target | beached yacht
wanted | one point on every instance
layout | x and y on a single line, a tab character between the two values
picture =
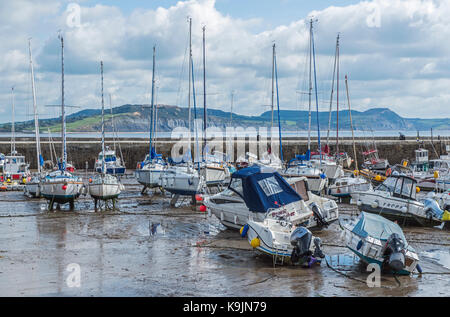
375	239
396	199
61	186
346	186
113	164
236	205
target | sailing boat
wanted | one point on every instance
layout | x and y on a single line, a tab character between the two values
15	169
149	173
61	186
185	180
216	170
114	164
301	165
104	186
32	186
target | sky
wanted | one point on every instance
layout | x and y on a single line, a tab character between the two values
395	53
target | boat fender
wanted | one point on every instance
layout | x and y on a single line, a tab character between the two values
255	242
374	204
404	209
359	203
244	230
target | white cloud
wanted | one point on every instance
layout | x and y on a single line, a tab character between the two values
402	64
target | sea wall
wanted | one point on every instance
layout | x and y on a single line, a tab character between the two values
134	150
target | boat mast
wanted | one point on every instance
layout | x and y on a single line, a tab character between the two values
155	122
273	74
103	123
317	99
63	114
278	102
332	91
190	74
337	96
310	83
204	90
36	119
152	103
351	123
13	134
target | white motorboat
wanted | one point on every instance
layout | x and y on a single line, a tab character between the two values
346	186
396	199
282	235
375	239
236	205
15	168
317	180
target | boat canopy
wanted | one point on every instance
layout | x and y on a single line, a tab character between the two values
377	227
262	188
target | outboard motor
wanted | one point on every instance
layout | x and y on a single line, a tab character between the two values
318	215
301	253
394	252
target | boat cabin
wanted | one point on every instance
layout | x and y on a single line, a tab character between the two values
262	188
400	186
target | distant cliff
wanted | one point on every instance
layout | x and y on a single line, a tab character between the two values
134	118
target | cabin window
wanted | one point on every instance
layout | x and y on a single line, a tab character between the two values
270	186
236	186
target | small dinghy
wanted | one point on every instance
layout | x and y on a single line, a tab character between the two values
375	239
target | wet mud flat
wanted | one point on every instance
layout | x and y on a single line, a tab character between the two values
148	248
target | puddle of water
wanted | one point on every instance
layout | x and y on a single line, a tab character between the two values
440	256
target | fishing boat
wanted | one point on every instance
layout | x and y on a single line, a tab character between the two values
32	187
104	186
61	186
372	160
252	191
375	239
396	200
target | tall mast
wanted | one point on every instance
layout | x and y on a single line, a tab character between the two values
351	124
310	83
63	113
36	119
278	102
204	88
190	74
317	99
332	92
103	123
152	103
13	133
337	96
273	74
155	122
112	123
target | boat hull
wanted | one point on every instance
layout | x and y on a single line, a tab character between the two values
149	177
53	191
104	191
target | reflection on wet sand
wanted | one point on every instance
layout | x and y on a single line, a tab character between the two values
150	249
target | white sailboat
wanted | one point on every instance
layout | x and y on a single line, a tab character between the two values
186	180
149	172
61	186
104	186
32	187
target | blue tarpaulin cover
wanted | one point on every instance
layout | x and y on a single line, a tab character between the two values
264	188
